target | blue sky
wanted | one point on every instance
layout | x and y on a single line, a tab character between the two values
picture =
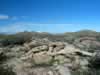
54	16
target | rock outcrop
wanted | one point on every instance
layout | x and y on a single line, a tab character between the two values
43	57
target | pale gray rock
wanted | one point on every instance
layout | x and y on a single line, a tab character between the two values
40	48
42	58
63	70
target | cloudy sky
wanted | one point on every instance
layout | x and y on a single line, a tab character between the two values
54	16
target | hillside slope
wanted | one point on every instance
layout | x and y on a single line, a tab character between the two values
32	53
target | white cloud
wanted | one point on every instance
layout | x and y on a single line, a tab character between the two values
4	17
19	17
52	28
20	27
23	26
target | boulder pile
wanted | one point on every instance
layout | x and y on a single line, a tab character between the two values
44	57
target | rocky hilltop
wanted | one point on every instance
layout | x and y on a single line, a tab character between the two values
31	53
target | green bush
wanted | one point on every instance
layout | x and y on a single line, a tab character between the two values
6	71
18	39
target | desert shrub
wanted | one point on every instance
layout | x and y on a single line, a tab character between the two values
69	37
18	38
83	33
2	57
6	71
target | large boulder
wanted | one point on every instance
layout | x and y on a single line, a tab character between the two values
63	70
40	48
56	46
36	42
42	58
62	59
